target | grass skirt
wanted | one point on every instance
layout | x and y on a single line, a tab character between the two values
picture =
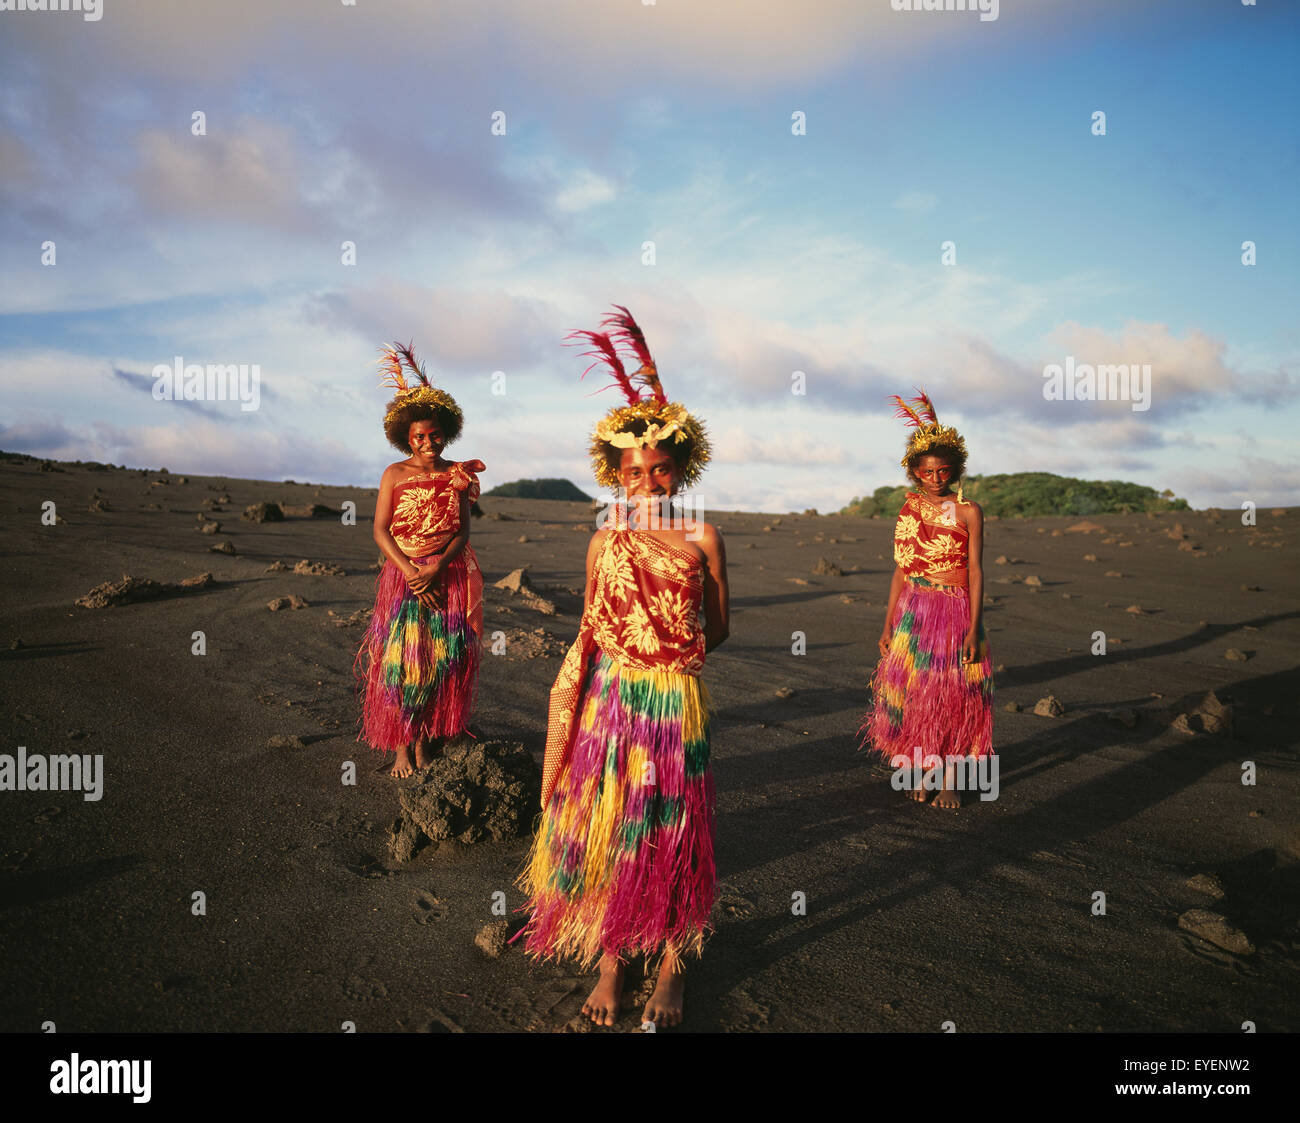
926	701
622	862
418	666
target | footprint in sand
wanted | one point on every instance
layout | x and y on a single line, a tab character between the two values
358	989
441	1022
353	859
744	1015
734	904
428	908
544	1008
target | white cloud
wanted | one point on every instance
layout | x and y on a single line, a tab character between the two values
916	202
1264	482
1185	372
249	174
771	441
198	447
466	330
583	191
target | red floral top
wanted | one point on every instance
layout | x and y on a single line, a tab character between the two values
930	541
426	508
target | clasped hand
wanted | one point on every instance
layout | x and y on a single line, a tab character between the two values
426	582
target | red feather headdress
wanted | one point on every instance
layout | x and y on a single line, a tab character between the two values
605	352
629	333
646	401
920	416
394	357
420	389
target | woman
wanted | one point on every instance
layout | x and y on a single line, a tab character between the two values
933	686
420	657
622	862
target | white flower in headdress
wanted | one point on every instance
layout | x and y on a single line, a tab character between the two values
656	433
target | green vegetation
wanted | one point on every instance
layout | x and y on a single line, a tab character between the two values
1026	494
540	489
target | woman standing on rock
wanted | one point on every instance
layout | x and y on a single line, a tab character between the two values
933	687
622	863
420	657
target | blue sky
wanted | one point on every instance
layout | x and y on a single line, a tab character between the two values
671	123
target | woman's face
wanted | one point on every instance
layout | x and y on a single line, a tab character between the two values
426	439
934	474
647	472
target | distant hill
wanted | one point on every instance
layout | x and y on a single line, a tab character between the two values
540	489
1026	494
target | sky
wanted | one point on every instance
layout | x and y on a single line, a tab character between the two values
768	187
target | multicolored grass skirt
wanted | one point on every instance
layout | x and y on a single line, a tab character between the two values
926	701
622	862
418	666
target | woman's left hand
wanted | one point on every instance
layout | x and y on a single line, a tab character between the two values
427	574
434	598
970	647
428	587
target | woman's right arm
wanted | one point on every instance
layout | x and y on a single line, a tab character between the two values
895	591
383	514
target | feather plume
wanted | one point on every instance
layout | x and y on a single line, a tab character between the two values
604	351
629	333
648	376
415	367
392	375
925	407
906	412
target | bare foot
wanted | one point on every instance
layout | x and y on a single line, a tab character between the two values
948	795
402	765
425	750
606	999
904	763
665	1005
